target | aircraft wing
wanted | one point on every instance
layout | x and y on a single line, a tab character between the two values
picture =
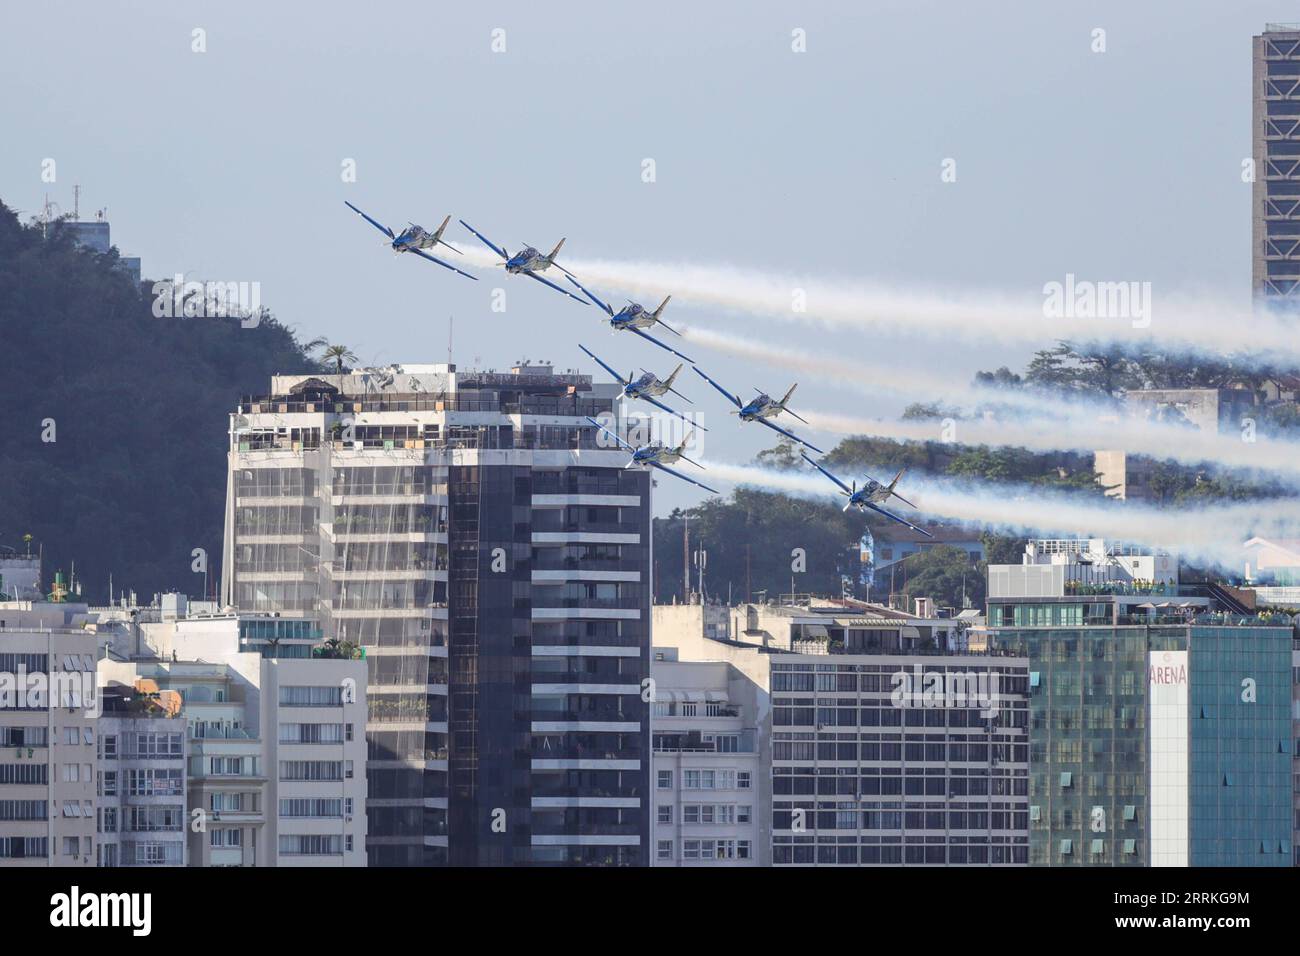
445	265
588	294
378	225
651	338
678	474
611	434
486	241
618	377
790	435
534	275
731	398
842	485
890	514
902	499
658	404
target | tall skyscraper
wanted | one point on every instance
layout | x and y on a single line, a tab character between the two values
1275	134
493	561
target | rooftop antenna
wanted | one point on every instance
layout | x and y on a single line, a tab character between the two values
76	203
451	331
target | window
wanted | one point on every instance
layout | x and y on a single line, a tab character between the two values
665	813
744	813
225	837
743	780
690	849
665	779
664	850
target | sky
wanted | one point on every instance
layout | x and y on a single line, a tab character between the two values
227	164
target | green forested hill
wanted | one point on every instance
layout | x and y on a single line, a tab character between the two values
135	479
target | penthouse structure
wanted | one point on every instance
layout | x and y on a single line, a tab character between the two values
466	530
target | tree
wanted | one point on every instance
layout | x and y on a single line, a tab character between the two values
338	354
135	479
783	456
945	574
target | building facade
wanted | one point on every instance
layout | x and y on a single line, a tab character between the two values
1159	726
48	719
467	531
707	773
883	740
1275	127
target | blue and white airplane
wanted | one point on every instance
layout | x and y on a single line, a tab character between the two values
870	495
527	261
761	408
415	239
647	387
658	456
633	318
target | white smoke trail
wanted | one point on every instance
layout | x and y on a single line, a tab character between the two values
1177	321
1212	534
1041	424
1075	432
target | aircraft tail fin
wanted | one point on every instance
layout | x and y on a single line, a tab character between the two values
556	251
789	393
893	484
668	382
656	313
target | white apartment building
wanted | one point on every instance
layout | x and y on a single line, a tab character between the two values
706	772
852	772
47	735
277	761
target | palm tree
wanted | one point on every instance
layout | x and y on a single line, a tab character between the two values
338	354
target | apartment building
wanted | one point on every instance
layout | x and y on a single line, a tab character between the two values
707	773
140	817
276	747
884	739
48	719
466	530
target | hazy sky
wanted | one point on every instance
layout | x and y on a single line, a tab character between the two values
226	164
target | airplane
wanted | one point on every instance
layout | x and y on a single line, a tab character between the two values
415	239
634	317
658	456
869	496
761	408
528	261
646	387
